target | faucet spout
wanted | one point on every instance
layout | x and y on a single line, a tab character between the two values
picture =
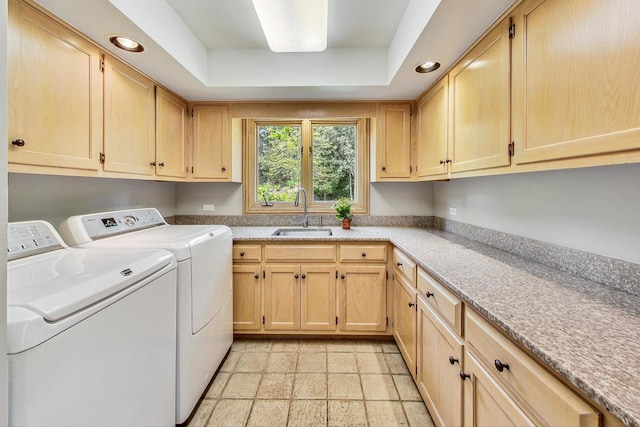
305	217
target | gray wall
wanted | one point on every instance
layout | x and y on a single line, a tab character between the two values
592	209
54	198
4	381
386	199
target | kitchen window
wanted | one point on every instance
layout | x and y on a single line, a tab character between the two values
328	158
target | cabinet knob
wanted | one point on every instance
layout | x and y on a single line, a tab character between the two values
399	264
161	165
241	253
384	168
296	276
224	169
448	161
152	163
453	360
411	304
464	376
342	277
428	294
256	276
304	277
501	366
18	142
364	254
442	162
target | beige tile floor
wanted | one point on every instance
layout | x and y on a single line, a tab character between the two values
267	382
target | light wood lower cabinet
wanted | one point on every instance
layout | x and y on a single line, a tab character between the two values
404	321
282	297
247	297
440	358
363	298
485	401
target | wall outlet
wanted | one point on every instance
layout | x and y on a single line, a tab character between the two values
453	211
208	207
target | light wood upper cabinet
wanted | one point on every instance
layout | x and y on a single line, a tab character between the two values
480	104
212	145
247	308
171	133
576	68
393	142
432	156
54	93
362	292
129	120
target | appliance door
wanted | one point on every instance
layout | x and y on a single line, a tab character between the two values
211	276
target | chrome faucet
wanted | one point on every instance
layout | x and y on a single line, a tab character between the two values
305	217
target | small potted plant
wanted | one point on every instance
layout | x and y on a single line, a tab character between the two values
343	212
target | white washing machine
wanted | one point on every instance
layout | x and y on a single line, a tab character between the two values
90	334
205	299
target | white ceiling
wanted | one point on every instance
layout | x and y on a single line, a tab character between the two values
215	50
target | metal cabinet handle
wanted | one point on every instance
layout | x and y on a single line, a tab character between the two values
464	376
152	163
384	168
241	253
161	165
500	366
428	294
296	276
411	304
364	254
442	162
399	264
224	169
18	142
342	277
304	277
257	276
453	360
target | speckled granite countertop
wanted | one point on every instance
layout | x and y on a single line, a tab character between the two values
586	332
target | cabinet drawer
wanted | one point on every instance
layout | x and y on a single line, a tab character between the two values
403	264
536	390
279	253
247	253
363	253
443	301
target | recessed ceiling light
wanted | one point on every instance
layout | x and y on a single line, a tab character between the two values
125	43
427	67
294	25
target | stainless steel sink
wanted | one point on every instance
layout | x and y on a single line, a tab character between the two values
303	232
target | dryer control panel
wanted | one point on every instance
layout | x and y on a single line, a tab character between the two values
31	238
84	228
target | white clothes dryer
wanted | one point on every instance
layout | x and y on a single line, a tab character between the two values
205	299
90	334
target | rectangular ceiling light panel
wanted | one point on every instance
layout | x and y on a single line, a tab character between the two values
294	25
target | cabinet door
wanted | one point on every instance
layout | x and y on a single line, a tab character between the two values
485	402
575	76
480	104
246	297
318	297
393	144
363	298
432	157
404	321
170	134
129	120
440	353
211	142
282	297
54	91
